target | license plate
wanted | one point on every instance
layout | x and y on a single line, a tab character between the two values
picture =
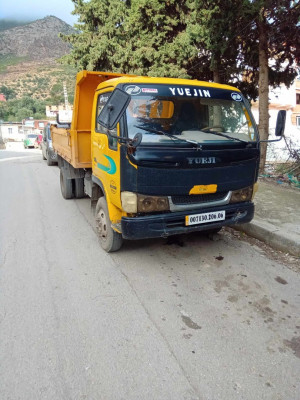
205	218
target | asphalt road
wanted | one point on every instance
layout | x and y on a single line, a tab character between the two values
191	318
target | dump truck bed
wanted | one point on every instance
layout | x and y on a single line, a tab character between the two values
74	143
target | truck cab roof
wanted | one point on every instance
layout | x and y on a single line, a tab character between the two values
113	82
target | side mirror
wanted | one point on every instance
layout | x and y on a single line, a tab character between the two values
280	123
114	109
64	118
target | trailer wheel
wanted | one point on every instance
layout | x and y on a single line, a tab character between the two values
79	188
66	186
110	240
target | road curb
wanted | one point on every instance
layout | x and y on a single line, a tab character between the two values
271	235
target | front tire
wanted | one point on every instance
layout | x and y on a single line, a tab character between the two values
110	240
66	186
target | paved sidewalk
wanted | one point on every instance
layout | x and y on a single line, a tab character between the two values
277	217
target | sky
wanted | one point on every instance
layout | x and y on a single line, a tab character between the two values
30	10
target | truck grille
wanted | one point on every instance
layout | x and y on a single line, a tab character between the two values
198	198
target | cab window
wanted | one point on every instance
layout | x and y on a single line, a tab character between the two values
112	142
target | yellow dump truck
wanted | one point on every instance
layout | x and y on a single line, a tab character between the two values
158	156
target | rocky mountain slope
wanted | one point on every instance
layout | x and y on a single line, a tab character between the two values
36	40
28	59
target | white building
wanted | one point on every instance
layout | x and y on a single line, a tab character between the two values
283	98
12	131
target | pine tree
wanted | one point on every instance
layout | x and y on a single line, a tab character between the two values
101	34
213	31
158	44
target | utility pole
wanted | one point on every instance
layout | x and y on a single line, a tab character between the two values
66	96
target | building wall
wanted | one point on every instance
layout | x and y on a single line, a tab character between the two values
282	98
11	132
18	131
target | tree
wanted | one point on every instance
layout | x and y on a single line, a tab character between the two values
9	93
157	39
213	28
16	110
101	34
248	43
270	49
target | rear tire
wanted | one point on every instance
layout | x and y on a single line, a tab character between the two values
79	188
110	240
66	186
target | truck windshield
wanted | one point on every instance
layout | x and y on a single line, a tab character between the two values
173	115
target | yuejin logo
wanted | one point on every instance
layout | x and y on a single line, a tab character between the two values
236	96
133	90
111	168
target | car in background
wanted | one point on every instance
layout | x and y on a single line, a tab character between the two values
48	152
38	141
29	140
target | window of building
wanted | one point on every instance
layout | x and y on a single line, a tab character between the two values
10	131
297	98
298	121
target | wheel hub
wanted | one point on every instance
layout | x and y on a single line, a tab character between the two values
101	224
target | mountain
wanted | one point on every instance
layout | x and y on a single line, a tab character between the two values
28	61
36	40
11	23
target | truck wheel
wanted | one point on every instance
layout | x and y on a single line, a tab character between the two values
110	240
79	188
66	186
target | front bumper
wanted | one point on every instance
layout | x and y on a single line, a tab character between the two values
173	223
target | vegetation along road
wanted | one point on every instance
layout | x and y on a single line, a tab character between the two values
188	318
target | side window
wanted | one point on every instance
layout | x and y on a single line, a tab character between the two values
102	99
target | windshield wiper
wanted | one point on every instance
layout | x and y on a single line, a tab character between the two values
169	135
207	130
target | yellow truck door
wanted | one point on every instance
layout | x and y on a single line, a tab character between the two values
106	156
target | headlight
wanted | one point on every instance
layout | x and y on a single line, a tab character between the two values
133	203
242	195
129	202
152	203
